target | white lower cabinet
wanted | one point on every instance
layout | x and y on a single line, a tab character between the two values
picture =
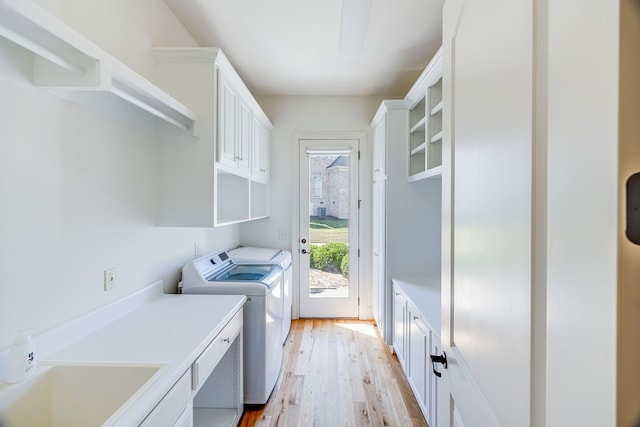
210	392
177	402
414	341
217	379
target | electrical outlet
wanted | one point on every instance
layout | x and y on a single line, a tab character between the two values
283	235
109	279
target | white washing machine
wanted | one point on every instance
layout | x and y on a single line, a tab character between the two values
217	274
281	257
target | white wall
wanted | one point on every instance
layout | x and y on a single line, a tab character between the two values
582	212
78	190
292	115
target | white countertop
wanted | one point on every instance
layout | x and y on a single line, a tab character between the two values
424	292
171	330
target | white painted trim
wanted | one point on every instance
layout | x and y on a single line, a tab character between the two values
385	106
429	77
215	56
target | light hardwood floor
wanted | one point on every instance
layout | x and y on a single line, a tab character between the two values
337	373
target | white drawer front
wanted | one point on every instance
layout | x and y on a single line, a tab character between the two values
171	405
204	365
185	419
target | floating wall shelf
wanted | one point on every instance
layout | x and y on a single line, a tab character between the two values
68	64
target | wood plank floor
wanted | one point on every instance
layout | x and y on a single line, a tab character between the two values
337	373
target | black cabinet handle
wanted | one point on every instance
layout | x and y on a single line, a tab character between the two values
438	359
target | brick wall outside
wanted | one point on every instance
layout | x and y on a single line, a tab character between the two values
335	187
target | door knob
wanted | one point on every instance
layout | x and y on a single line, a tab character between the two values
304	251
303	241
438	359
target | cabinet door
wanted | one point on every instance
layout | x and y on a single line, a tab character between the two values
433	384
260	152
399	326
419	347
264	157
244	138
379	158
227	99
380	291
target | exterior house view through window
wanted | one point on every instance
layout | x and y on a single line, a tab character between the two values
329	224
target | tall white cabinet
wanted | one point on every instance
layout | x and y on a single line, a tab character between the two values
406	210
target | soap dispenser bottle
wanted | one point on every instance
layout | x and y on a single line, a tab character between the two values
21	362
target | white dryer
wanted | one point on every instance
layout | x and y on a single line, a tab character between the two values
217	274
281	257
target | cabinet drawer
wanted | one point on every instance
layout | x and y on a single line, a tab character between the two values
171	405
185	419
207	361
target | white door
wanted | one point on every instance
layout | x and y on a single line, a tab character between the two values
487	212
328	235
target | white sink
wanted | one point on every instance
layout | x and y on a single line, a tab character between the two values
87	394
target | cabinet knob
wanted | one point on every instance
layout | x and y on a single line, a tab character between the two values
415	317
227	340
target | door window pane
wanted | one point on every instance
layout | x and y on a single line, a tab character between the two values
329	177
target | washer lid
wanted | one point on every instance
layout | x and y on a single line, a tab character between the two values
251	254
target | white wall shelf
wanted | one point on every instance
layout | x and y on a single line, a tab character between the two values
436	109
71	66
420	126
419	149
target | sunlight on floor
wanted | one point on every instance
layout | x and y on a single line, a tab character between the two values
363	328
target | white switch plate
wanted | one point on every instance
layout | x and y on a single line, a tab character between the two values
109	279
283	235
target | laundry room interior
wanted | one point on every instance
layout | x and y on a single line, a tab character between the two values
436	197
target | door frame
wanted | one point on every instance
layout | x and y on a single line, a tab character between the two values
364	217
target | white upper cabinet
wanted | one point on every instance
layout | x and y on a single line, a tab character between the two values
424	101
221	177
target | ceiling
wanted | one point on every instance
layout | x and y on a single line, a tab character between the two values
292	47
